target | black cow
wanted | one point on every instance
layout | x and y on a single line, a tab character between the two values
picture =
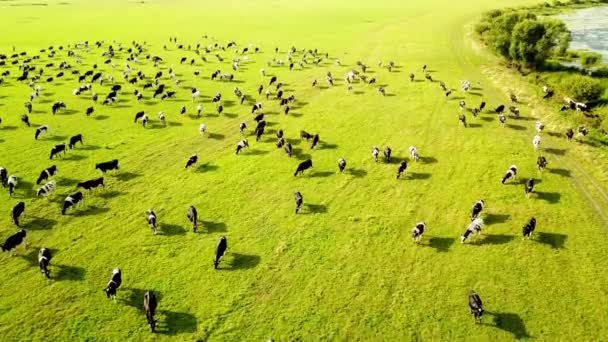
114	283
259	117
305	135
476	306
192	160
91	184
418	231
272	80
387	154
303	166
46	174
401	169
511	173
500	109
90	111
280	142
569	134
14	240
107	166
16	212
241	145
26	120
341	164
56	150
3	176
411	77
58	105
529	228
541	162
75	139
151	218
150	304
259	131
71	201
477	208
192	215
315	141
220	250
116	87
529	187
299	200
288	149
44	258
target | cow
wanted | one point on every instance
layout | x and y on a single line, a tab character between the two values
220	250
501	120
192	215
241	145
280	142
414	153
582	131
473	228
463	120
91	184
272	80
529	228
183	110
16	212
25	119
139	115
44	258
3	176
242	128
150	304
288	149
191	161
511	173
375	152
220	109
299	200
15	240
303	166
56	150
387	154
401	169
476	306
477	208
107	166
341	164
151	218
529	187
162	118
71	201
113	284
315	141
57	106
40	130
12	184
259	117
411	77
536	141
46	174
47	189
541	162
569	134
90	111
539	126
305	135
500	109
75	139
418	231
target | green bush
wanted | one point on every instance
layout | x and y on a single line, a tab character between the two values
601	71
588	59
582	88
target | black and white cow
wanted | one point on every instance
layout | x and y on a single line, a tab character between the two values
138	116
75	139
511	173
151	219
476	306
40	130
71	201
501	120
107	166
192	215
162	118
375	153
582	131
16	212
473	228
46	174
44	258
14	240
12	184
387	154
242	128
47	189
91	184
259	117
192	160
418	231
150	304
477	208
529	187
303	166
463	120
305	135
25	119
529	228
341	164
414	153
569	134
280	142
288	149
114	283
401	169
56	150
299	200
241	145
57	106
541	162
220	250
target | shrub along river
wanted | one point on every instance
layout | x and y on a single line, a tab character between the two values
589	29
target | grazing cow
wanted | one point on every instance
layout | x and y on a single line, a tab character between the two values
139	115
473	228
529	228
511	173
192	160
162	118
113	284
241	145
569	134
500	109
58	105
202	128
150	304
28	107
541	162
25	119
220	250
75	139
401	169
305	135
3	177
71	201
151	218
501	120
299	200
272	80
418	231
536	141
475	112
411	77
463	120
46	174
259	130
242	127
47	189
539	126
44	258
341	164
375	152
107	166
476	306
90	111
315	141
183	110
40	130
428	77
303	166
387	154
582	131
513	98
259	117
288	149
414	153
14	240
16	212
192	215
12	184
477	208
280	142
199	110
57	149
220	109
529	187
91	184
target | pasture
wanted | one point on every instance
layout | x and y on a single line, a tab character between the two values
345	267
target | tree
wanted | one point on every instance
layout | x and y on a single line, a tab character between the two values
529	44
582	88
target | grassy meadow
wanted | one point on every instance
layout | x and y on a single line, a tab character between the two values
346	267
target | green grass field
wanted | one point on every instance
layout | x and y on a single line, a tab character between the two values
344	269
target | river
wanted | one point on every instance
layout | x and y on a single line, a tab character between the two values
589	29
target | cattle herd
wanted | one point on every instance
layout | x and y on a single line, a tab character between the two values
93	82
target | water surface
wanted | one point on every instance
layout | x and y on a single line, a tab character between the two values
589	29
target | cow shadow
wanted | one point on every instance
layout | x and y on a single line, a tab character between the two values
487	118
136	297
90	211
441	244
554	240
556	151
509	322
214	227
31	256
75	157
101	117
8	128
516	127
550	197
67	182
474	125
561	172
324	146
56	138
357	173
172	229
174	124
496	218
555	134
68	112
321	174
175	323
40	223
216	136
207	167
315	208
394	159
495	239
256	152
89	148
126	176
418	176
67	272
428	160
110	194
242	262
